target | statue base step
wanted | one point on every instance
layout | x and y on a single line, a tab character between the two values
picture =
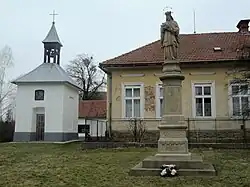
186	166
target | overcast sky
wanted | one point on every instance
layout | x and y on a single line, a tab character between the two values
104	28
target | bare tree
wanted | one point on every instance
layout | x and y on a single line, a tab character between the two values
87	74
6	88
137	128
9	116
240	94
240	88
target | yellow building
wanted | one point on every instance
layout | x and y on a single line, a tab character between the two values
207	61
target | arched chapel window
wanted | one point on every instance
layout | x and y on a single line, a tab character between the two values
39	95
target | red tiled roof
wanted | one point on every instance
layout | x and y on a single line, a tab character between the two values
193	48
93	109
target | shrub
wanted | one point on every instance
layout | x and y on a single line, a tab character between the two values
6	131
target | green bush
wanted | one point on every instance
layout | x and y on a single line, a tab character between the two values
6	131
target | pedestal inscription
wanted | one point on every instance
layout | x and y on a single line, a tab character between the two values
172	146
172	94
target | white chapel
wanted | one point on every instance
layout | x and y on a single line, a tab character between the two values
47	99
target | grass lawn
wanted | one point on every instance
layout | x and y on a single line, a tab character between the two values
67	165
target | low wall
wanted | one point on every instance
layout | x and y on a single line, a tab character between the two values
220	136
126	136
194	136
192	124
106	145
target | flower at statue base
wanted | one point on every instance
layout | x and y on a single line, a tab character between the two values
168	170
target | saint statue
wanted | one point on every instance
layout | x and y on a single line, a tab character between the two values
170	37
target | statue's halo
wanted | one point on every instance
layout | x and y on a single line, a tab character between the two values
167	9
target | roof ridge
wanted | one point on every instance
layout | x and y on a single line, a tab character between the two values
205	33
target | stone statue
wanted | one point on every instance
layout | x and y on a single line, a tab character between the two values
170	37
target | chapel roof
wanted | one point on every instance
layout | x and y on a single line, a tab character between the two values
45	73
193	48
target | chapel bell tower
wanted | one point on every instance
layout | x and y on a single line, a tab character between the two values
52	46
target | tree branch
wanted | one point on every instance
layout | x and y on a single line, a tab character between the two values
85	72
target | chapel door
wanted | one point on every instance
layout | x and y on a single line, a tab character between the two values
40	121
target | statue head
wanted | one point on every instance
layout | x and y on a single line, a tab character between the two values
169	16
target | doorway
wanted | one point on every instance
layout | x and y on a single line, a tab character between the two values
40	122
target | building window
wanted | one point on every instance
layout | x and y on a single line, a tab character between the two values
39	95
159	101
133	98
203	100
239	99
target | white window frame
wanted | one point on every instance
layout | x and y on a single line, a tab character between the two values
157	100
132	85
213	101
231	98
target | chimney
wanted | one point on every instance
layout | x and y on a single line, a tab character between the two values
243	25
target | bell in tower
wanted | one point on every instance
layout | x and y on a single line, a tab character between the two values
52	45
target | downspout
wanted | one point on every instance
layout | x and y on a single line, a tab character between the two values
109	98
110	103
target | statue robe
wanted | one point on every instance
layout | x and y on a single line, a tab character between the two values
170	39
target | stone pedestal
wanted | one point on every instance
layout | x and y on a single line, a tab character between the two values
173	143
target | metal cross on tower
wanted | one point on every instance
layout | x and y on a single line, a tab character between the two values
54	15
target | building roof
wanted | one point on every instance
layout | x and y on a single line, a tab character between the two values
47	72
93	109
193	48
52	36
